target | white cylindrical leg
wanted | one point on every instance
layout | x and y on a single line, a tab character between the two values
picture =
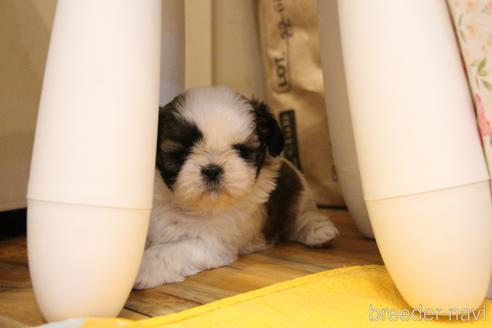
339	121
91	183
422	167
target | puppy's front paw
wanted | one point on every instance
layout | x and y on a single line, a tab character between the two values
319	232
153	272
322	234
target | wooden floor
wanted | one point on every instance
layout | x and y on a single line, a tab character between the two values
249	272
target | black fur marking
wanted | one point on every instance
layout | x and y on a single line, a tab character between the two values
247	152
267	128
180	135
283	205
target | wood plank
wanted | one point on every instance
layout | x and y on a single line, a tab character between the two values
215	284
264	258
10	323
14	272
330	258
154	302
14	250
19	304
132	315
14	275
259	266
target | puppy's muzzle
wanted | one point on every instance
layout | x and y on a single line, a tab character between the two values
212	173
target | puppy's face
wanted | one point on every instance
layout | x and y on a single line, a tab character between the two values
212	144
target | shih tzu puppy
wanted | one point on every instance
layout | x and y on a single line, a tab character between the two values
221	189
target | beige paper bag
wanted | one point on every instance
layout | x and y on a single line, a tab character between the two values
294	90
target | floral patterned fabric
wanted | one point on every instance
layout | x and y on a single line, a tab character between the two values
473	24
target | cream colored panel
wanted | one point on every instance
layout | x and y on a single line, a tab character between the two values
25	27
198	44
236	55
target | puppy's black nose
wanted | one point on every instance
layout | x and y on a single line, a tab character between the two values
212	172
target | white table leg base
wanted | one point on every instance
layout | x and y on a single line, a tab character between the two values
437	245
75	250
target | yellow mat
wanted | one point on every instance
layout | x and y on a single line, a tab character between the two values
347	297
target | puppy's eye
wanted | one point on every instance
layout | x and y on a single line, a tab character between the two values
245	151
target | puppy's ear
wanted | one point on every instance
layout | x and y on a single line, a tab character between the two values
267	128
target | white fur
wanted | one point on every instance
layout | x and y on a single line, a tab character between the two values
193	228
207	106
